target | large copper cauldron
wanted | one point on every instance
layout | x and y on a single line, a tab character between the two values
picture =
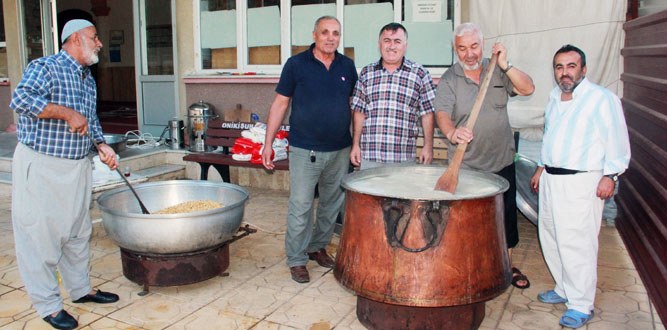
419	258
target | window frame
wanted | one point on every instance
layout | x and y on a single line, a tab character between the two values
286	39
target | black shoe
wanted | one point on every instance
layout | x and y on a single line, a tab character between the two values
62	320
99	297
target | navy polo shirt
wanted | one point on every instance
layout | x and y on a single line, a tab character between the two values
320	116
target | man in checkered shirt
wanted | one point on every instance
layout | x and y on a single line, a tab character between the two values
52	177
389	98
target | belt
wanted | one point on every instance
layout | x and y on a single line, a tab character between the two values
560	171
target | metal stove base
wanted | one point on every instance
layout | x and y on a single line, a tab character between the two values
382	316
174	269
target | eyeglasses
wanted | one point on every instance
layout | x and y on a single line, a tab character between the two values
95	37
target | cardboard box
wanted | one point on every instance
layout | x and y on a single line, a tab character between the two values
237	114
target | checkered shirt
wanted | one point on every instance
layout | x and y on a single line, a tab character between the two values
392	104
57	79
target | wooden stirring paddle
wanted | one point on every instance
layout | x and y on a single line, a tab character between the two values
450	179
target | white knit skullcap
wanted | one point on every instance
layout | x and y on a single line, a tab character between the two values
73	26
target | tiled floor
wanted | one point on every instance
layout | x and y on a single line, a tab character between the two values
259	294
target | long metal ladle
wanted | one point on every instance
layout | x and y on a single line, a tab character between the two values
144	210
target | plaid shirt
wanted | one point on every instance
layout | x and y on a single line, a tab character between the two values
57	79
392	104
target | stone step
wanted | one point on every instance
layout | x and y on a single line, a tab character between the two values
6	178
163	172
154	173
5	164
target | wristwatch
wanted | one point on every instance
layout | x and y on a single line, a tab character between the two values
509	66
613	177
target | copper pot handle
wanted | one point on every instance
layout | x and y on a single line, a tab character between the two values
397	217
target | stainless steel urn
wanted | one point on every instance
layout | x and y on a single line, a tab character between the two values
198	115
176	134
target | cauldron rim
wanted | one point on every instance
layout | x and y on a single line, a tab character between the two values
435	170
147	185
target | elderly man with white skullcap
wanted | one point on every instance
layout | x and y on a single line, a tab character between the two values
52	177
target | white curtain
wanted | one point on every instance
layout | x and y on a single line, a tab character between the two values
533	30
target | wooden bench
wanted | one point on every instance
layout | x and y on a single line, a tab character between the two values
439	146
223	134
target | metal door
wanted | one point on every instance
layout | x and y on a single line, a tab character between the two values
156	64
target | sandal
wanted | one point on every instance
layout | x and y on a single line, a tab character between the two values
575	319
518	276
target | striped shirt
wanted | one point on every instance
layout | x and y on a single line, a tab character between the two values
392	104
61	80
587	134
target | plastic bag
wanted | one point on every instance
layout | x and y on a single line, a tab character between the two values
253	136
243	146
276	155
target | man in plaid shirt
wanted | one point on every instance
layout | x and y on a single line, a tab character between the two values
389	98
52	177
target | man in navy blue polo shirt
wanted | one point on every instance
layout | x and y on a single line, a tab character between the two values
319	83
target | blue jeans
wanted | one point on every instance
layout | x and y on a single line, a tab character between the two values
304	234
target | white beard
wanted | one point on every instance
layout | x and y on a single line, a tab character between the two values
92	54
470	67
93	59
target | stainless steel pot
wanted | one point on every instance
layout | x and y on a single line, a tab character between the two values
172	233
117	142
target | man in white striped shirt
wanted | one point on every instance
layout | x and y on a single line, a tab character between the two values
585	148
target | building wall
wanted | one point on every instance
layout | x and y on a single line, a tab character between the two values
186	48
256	97
6	114
642	220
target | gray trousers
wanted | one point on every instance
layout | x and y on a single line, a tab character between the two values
303	234
51	221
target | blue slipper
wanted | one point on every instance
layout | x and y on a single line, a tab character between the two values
575	319
550	297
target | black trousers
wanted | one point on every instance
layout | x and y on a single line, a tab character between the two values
511	228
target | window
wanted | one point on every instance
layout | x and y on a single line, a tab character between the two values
36	36
303	16
159	40
273	30
218	34
33	30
